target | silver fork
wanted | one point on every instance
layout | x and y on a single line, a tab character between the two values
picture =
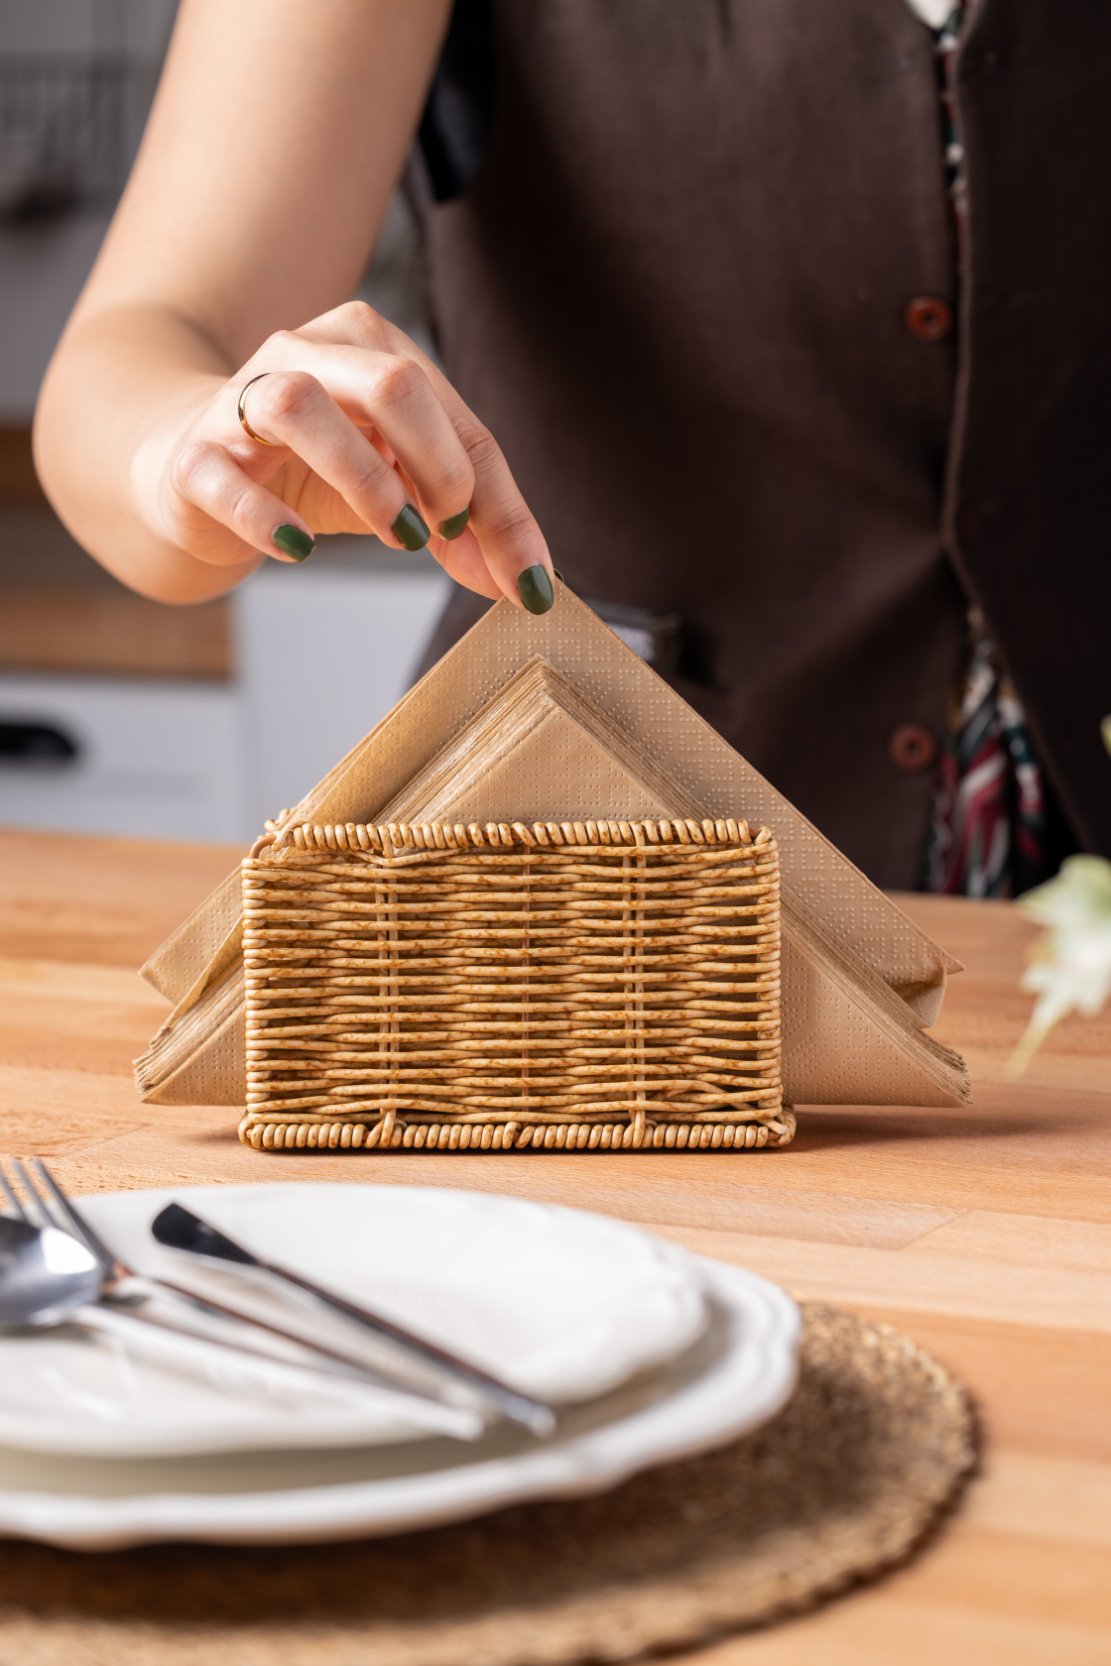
57	1209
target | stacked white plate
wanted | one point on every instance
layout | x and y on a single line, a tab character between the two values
651	1354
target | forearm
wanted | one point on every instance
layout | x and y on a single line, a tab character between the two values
115	373
274	142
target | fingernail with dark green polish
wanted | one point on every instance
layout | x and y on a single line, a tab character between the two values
411	529
292	541
535	589
455	524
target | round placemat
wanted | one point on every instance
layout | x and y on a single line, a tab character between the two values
842	1484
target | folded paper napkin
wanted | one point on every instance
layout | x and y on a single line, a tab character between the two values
554	719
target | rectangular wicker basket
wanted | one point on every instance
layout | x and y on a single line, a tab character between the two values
593	986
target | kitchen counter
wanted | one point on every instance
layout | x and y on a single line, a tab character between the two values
983	1232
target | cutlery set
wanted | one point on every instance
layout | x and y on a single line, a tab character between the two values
55	1269
202	1408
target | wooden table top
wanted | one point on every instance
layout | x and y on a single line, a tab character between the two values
985	1233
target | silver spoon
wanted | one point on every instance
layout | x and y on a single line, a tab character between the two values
48	1278
45	1275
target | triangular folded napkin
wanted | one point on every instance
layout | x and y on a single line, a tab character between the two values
553	719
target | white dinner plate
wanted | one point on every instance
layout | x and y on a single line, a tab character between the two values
737	1375
564	1304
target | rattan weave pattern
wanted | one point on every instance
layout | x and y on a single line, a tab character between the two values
587	985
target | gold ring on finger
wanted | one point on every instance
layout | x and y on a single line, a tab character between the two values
242	409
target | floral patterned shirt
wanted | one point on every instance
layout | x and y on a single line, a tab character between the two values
989	833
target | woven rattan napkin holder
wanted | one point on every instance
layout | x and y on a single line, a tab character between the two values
600	985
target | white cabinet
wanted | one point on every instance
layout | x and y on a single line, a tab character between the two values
319	653
100	755
324	651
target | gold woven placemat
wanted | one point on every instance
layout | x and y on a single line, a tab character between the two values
845	1482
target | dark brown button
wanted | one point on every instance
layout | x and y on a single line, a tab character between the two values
912	748
928	318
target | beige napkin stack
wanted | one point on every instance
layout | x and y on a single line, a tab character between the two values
554	719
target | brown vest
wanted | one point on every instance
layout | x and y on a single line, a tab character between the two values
676	290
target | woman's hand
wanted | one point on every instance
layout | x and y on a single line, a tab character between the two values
262	212
357	431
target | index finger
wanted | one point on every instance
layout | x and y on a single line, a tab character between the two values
513	546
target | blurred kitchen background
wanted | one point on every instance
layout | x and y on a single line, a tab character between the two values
120	715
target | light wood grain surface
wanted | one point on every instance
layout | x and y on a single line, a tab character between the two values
985	1233
85	631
